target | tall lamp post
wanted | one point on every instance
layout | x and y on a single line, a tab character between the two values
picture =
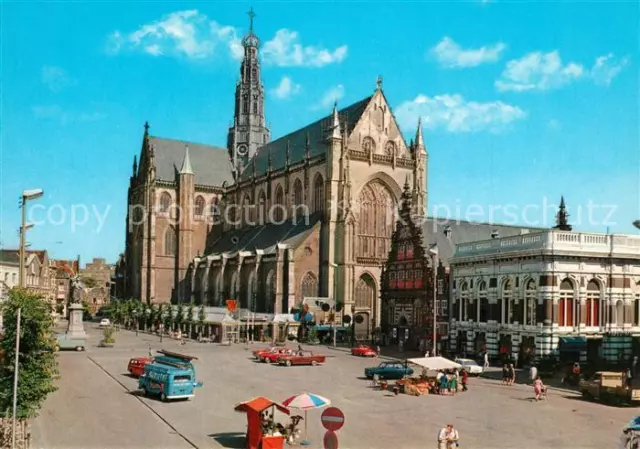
433	251
27	195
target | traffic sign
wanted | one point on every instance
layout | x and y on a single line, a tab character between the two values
332	419
330	440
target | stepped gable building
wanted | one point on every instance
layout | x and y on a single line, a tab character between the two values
268	222
554	291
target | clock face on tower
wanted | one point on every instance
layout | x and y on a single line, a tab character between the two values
242	150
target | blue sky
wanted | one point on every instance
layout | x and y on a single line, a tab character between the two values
521	101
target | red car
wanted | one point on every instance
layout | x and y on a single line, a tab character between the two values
274	356
259	352
136	365
302	358
363	351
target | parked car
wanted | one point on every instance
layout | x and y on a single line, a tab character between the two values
471	366
257	353
137	364
170	376
388	370
302	358
74	344
105	322
363	351
274	356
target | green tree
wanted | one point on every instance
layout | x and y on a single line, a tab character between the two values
191	313
167	318
179	318
89	282
37	365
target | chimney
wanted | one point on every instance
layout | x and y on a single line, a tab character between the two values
495	234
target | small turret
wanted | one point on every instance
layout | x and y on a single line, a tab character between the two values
420	148
335	124
562	217
186	163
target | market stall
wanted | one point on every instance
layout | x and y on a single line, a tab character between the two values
436	363
262	430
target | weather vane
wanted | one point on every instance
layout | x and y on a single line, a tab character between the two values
251	15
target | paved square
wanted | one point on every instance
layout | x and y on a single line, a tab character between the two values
95	402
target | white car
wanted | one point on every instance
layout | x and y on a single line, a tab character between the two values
471	366
105	322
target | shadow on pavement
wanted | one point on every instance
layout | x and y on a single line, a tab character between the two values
232	440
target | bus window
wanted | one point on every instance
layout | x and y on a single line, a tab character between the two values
183	378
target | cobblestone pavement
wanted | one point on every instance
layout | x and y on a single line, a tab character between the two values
94	409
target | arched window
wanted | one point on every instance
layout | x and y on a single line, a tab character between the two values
297	193
375	223
483	302
262	207
165	203
368	144
214	210
531	303
278	205
309	286
365	292
170	241
245	103
270	293
199	209
507	301
565	303
318	194
593	304
247	211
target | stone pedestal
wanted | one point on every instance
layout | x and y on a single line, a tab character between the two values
76	327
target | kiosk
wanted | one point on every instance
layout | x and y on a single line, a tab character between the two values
257	436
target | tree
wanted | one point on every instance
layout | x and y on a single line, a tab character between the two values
37	365
86	312
89	282
179	318
191	317
202	316
167	318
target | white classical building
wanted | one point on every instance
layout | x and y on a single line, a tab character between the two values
576	295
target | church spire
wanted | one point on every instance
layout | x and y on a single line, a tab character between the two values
562	217
186	163
335	123
249	130
419	142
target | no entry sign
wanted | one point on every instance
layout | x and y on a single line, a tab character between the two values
330	440
332	419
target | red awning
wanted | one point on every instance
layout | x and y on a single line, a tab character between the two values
260	404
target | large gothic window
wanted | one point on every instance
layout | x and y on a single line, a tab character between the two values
375	224
365	292
165	202
199	207
297	192
270	293
565	303
593	303
309	286
170	241
318	194
278	206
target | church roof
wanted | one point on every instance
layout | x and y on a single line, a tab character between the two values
297	141
462	231
210	164
264	237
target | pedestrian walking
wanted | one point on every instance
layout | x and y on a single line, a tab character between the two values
533	373
377	352
505	375
447	437
538	388
512	374
465	379
486	360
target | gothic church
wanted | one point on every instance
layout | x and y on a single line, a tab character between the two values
269	222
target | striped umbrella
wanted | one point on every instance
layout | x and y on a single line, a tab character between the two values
306	401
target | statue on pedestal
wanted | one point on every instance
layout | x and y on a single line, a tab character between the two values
76	326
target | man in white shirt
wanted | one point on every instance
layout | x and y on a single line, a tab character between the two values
486	359
448	437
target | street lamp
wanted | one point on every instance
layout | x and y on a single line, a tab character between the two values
27	195
433	251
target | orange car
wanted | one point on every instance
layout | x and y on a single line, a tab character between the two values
302	358
259	352
363	351
274	356
136	365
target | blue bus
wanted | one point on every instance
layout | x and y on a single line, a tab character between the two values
169	376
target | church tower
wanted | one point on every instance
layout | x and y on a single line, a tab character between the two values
249	130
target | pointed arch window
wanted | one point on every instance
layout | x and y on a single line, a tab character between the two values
593	304
278	209
375	221
165	203
297	193
170	241
309	286
199	207
365	292
318	193
245	103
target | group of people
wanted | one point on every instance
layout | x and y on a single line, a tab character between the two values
447	383
508	374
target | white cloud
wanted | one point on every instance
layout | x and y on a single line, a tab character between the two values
285	50
456	115
55	112
286	88
538	71
330	96
56	78
184	33
450	55
606	68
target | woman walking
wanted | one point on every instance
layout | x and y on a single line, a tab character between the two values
538	388
453	384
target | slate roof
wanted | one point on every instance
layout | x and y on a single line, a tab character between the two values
264	237
9	256
464	232
210	164
297	141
